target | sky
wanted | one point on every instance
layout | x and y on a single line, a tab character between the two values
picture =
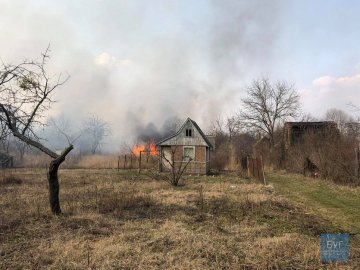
135	62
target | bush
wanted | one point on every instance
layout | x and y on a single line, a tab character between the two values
329	156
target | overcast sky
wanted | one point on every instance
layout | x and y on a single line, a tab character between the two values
135	62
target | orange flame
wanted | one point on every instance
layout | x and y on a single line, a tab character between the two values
137	149
151	149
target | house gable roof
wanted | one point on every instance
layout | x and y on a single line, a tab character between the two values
181	129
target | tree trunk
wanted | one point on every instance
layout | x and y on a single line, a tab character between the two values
54	181
54	187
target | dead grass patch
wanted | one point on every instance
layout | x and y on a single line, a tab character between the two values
118	202
113	220
7	180
281	251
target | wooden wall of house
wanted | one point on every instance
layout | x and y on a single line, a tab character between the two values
181	138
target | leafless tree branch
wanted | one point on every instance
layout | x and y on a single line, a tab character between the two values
267	104
25	95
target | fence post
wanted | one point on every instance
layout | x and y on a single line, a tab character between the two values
248	166
118	164
262	167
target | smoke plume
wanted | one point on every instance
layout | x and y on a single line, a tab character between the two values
132	70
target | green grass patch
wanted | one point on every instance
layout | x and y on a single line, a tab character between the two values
338	204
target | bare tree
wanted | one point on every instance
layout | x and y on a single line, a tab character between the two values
341	118
97	129
217	126
267	104
26	90
4	137
307	117
177	167
21	148
233	126
63	130
226	127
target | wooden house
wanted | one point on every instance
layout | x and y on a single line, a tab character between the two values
189	143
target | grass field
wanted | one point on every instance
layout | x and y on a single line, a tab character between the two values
123	220
339	204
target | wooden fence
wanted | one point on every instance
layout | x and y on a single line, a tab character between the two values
131	161
255	169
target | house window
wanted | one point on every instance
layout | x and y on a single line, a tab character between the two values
188	132
189	153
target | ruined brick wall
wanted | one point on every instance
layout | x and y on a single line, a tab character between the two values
294	132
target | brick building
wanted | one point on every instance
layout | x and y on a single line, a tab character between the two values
294	132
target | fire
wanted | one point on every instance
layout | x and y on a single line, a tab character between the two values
137	149
150	149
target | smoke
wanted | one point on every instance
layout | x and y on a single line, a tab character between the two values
140	65
153	133
243	34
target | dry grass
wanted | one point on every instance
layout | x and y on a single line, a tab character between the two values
35	161
97	161
8	179
122	220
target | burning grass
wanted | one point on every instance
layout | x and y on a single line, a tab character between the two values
121	220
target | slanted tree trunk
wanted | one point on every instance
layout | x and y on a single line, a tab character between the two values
26	91
54	181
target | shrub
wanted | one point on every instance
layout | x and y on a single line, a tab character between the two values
330	156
